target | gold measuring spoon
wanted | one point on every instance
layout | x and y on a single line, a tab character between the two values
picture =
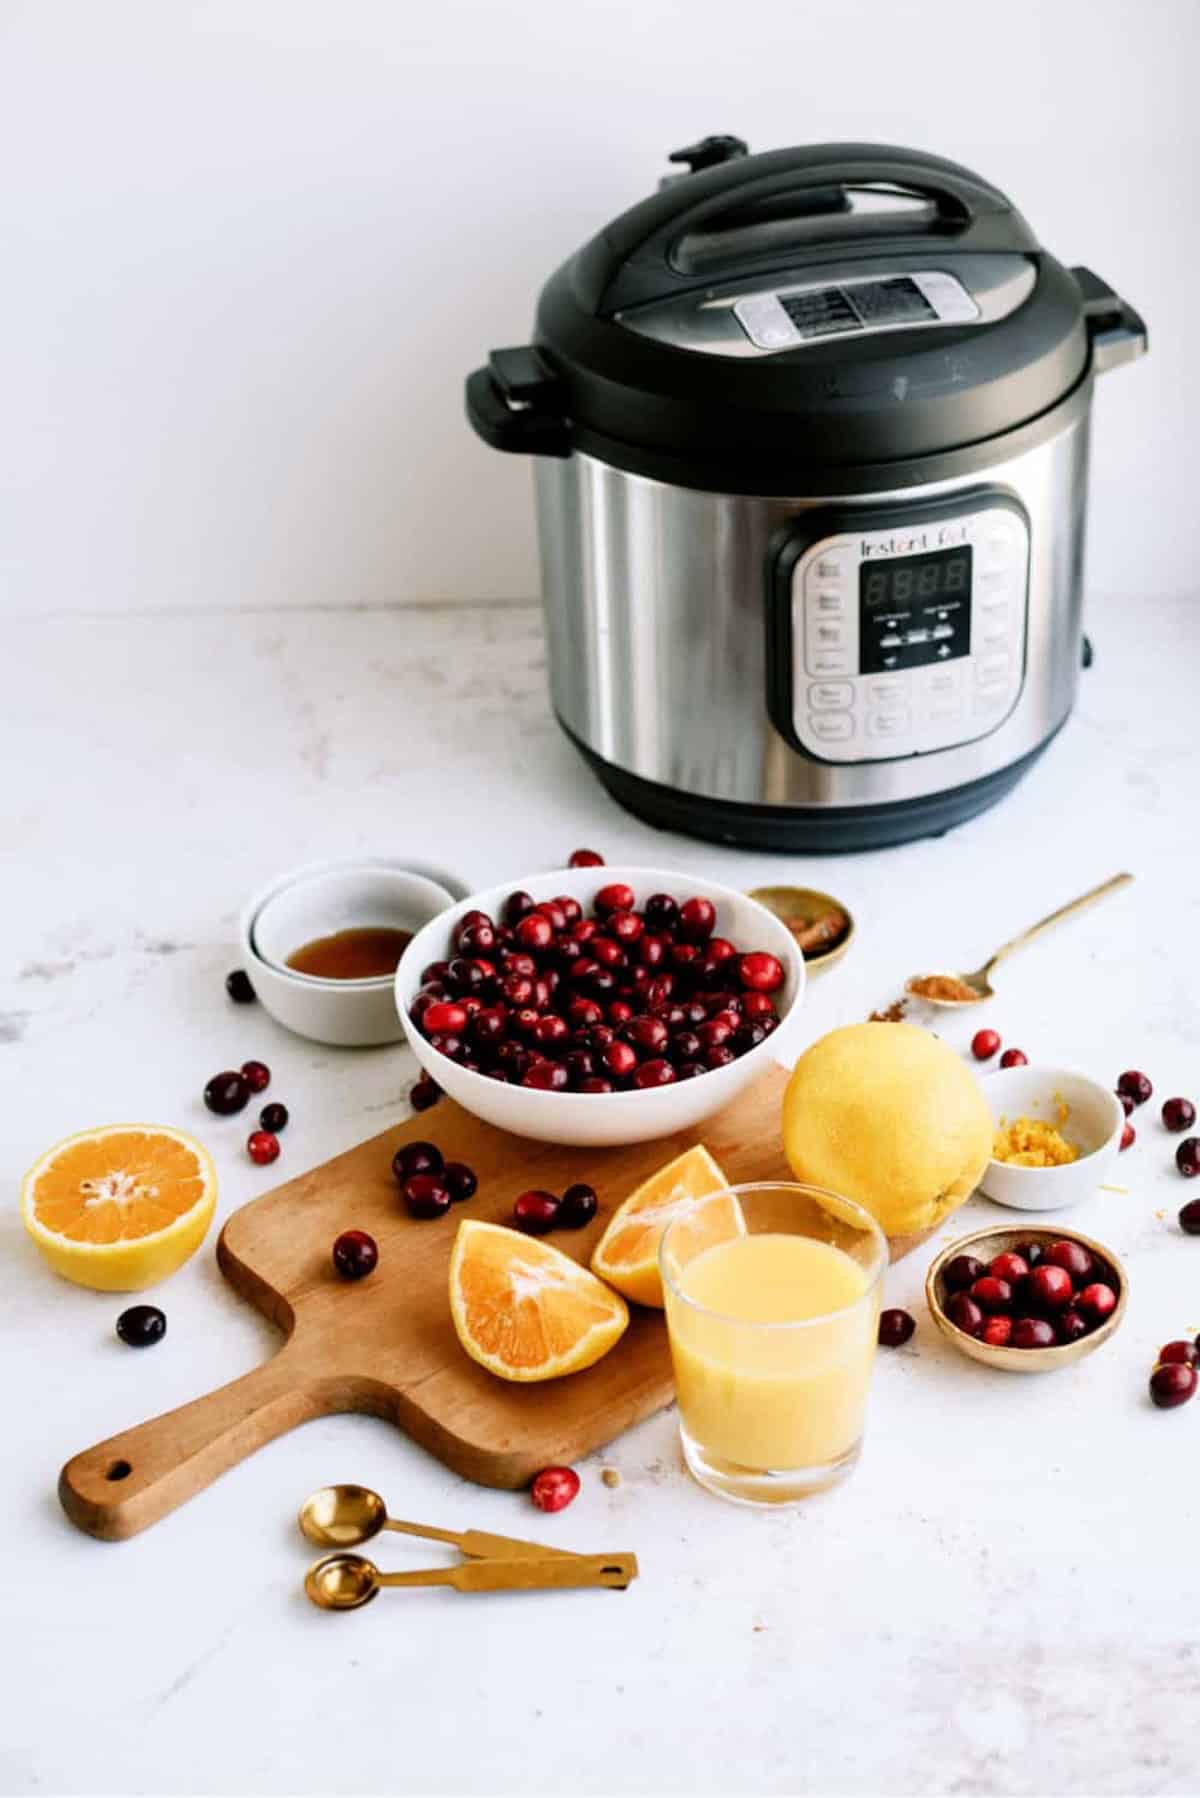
342	1582
979	982
344	1516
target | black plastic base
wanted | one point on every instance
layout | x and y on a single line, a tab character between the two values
823	830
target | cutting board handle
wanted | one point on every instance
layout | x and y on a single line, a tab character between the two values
122	1485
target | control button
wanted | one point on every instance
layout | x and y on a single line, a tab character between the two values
831	727
994	578
991	668
995	632
829	661
991	701
996	608
890	642
828	570
829	602
942	630
879	692
945	711
918	636
893	723
830	696
828	634
943	680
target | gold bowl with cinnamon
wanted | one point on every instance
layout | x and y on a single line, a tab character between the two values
820	924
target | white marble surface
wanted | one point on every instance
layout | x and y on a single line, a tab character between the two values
1002	1600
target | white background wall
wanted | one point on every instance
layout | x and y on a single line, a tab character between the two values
251	247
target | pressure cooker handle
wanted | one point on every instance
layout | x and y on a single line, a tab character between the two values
515	404
1118	333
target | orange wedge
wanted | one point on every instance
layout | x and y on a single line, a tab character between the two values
627	1254
122	1207
526	1311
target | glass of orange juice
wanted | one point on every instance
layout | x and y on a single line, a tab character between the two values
772	1300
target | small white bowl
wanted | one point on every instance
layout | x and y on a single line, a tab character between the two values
602	1119
315	901
1094	1124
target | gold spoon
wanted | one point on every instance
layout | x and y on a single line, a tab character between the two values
344	1516
978	981
342	1582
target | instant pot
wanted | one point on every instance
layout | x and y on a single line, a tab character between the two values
811	439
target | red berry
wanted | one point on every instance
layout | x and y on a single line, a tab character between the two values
262	1146
1070	1325
756	1006
554	1488
625	926
1187	1157
719	1056
425	1092
516	907
1127	1104
551	1032
1014	1058
687	1070
1178	1114
354	1254
1051	1286
1172	1384
1128	1137
895	1328
661	912
991	1294
585	858
257	1075
546	1076
1189	1218
1073	1257
427	1196
1032	1333
697	918
536	1212
274	1117
446	1018
1185	1352
963	1312
579	1206
1097	1301
237	985
1008	1266
997	1331
984	1044
962	1272
595	1083
1136	1085
761	972
616	897
649	1034
227	1093
652	951
655	1073
460	1180
620	1058
535	930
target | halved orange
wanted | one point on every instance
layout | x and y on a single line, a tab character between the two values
121	1207
526	1311
627	1254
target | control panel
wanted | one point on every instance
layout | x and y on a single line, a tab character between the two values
796	315
902	639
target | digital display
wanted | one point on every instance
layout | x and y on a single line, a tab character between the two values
894	302
827	311
914	610
895	585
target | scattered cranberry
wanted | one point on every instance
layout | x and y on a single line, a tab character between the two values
460	1180
997	1331
1185	1352
274	1117
984	1044
262	1146
963	1312
579	1206
1052	1286
962	1272
427	1196
1032	1333
141	1326
237	985
1128	1137
227	1093
425	1092
536	1212
895	1328
1010	1266
1187	1157
1172	1384
585	858
1189	1218
1070	1325
1178	1114
416	1158
355	1255
761	972
1136	1085
1072	1257
257	1075
1014	1058
554	1488
1097	1301
1127	1104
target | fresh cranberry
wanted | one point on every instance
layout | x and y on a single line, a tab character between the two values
274	1117
1136	1085
585	858
578	1207
1031	1252
583	1013
598	1037
1126	1103
721	949
237	985
684	956
964	1313
1097	1301
435	972
895	1328
1051	1286
991	1294
1178	1114
697	918
659	991
602	983
1015	1058
444	1019
962	1272
571	909
595	1083
607	953
661	912
535	930
554	1488
1172	1384
619	1013
658	1072
476	939
227	1093
416	1158
1128	1137
489	1025
546	1076
262	1146
355	1255
580	1065
463	976
997	1331
1187	1157
551	1033
620	1058
716	1030
446	1043
688	1070
1189	1218
758	1006
1185	1352
652	951
719	1056
460	1180
1070	1325
425	1092
626	926
615	897
516	961
141	1326
748	1037
1077	1261
470	918
1008	1266
650	1035
536	1212
761	972
984	1044
525	1020
517	906
427	1195
1033	1333
551	909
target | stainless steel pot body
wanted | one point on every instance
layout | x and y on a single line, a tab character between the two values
655	604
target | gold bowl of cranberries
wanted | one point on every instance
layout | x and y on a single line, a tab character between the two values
1026	1300
600	1005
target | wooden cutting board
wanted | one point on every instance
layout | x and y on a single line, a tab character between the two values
386	1345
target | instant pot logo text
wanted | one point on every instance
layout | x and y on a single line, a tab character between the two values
911	543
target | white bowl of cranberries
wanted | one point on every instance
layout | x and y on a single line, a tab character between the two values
600	1005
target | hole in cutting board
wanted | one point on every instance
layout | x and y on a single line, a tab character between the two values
120	1470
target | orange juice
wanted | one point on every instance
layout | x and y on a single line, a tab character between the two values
774	1398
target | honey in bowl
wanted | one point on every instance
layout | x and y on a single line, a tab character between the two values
363	952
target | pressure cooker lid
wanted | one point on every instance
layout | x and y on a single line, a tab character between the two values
834	305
